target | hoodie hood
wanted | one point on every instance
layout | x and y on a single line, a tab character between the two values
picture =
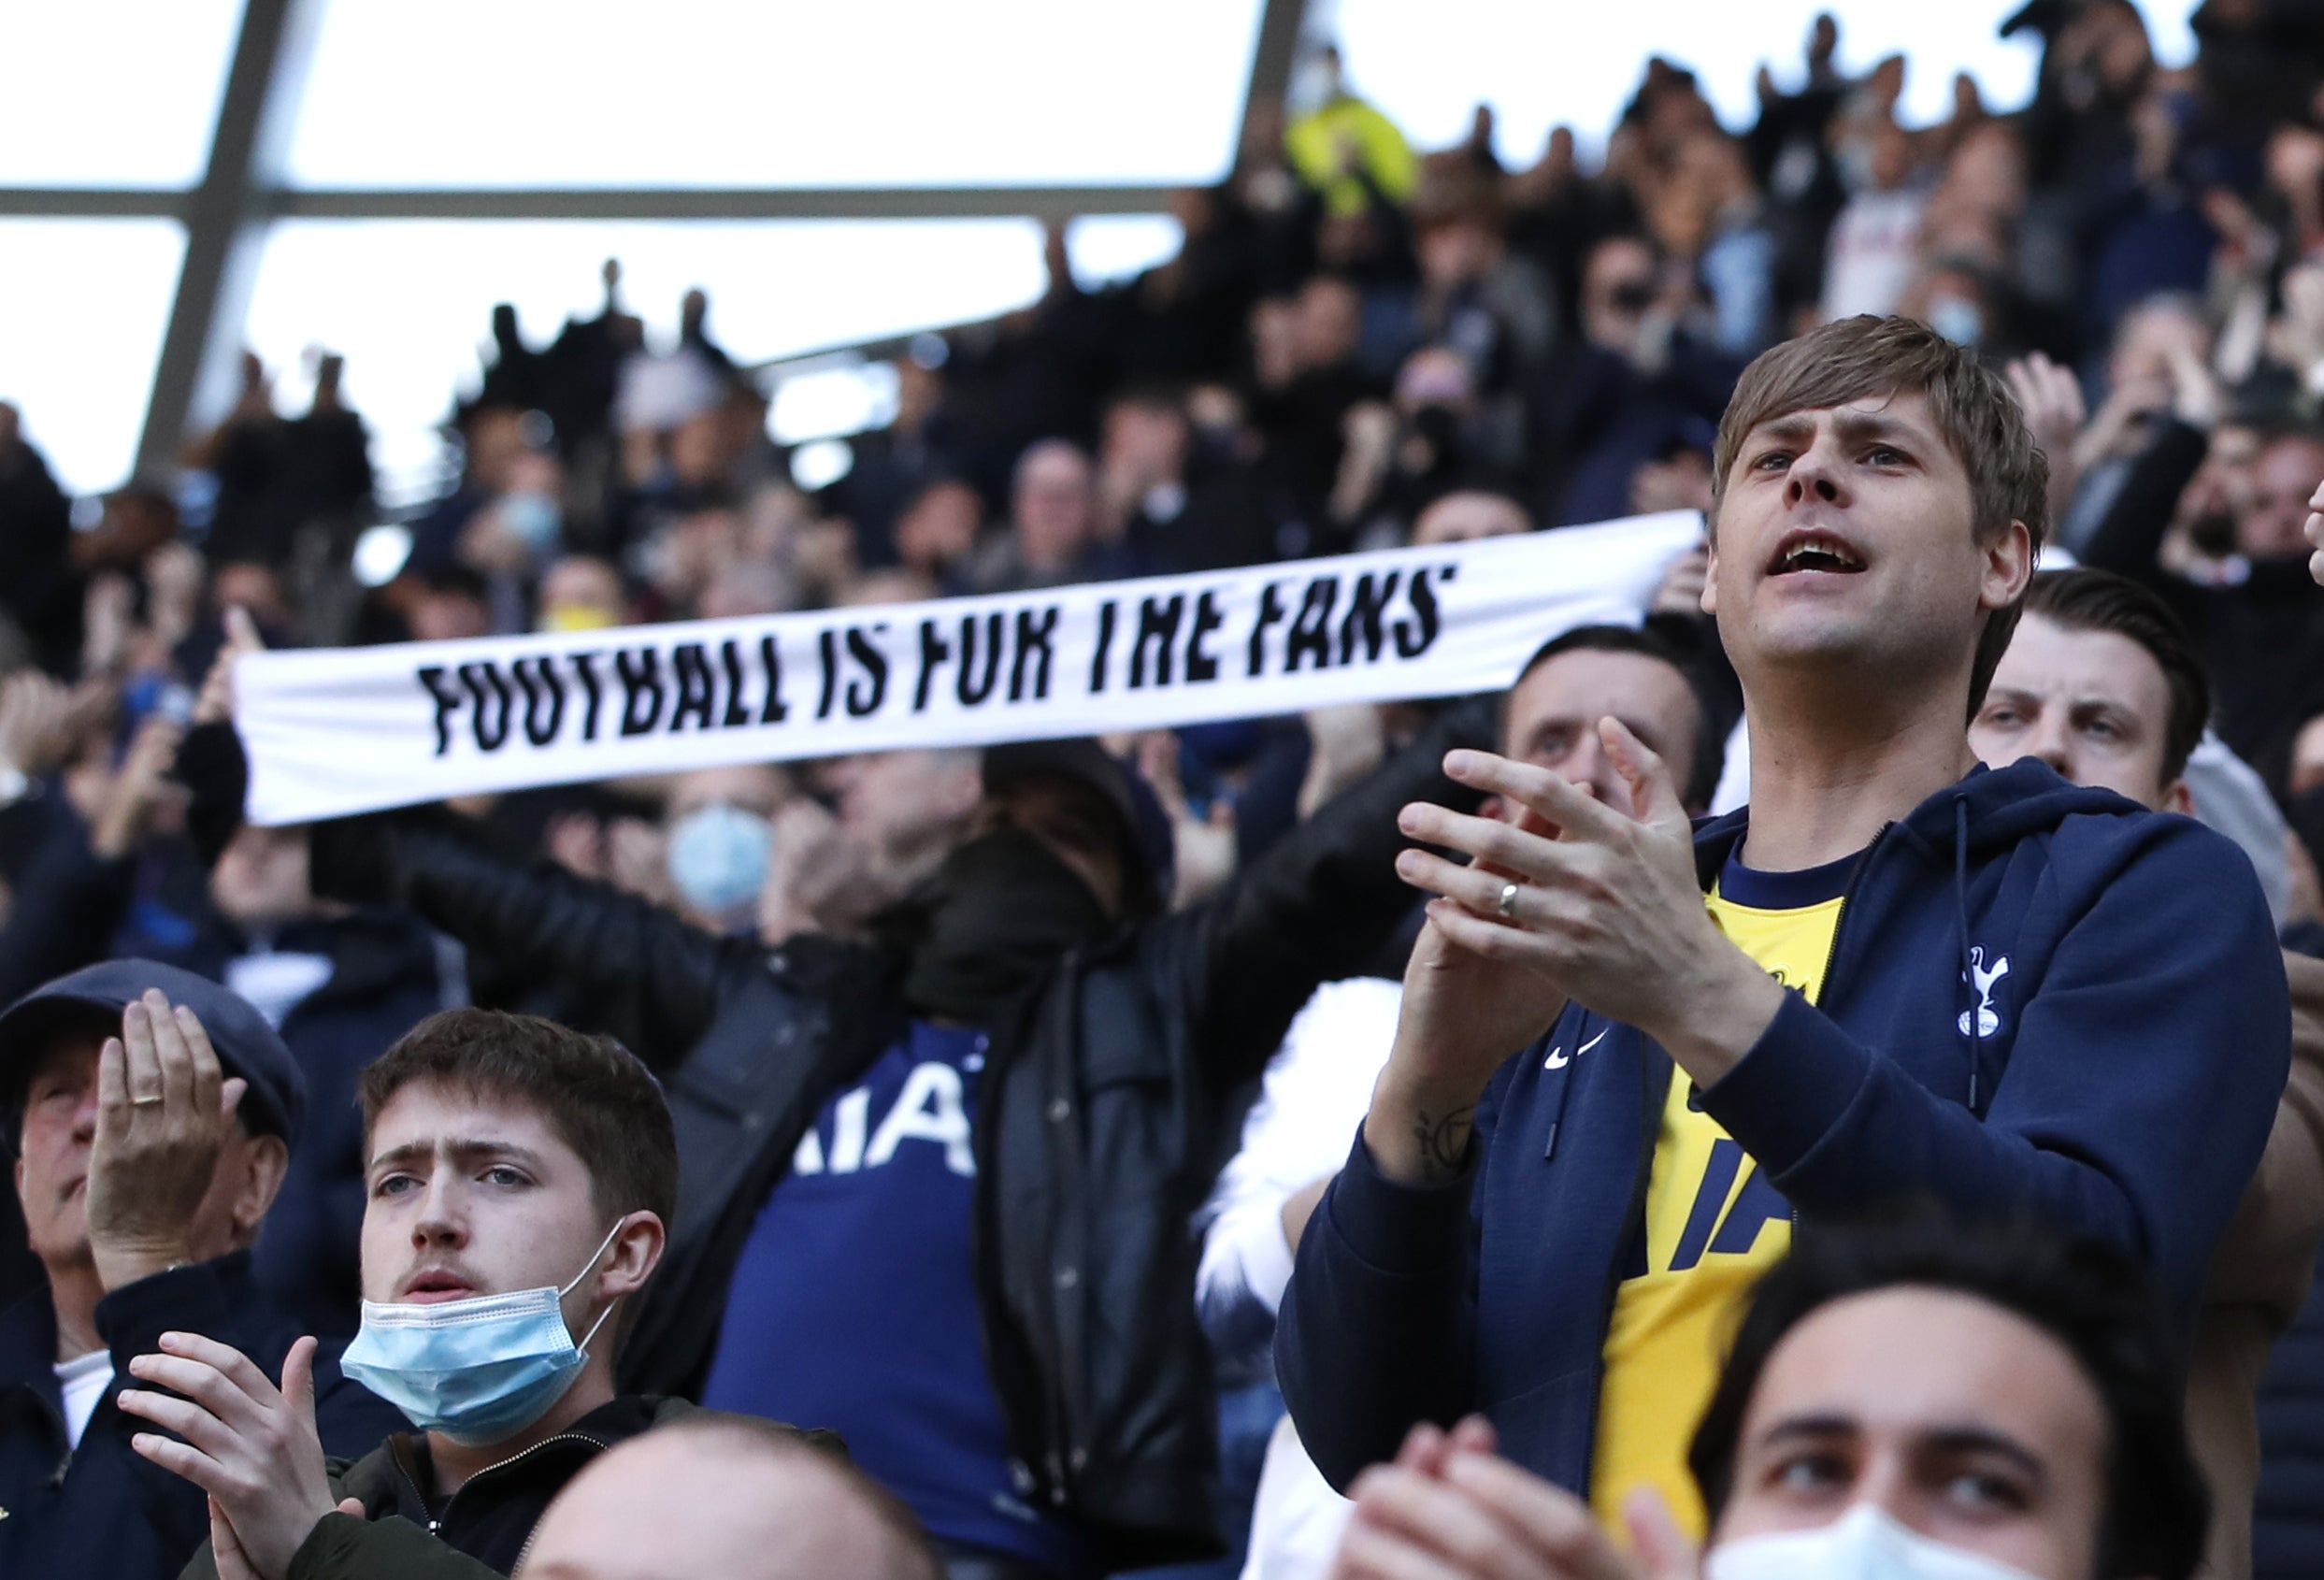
1984	811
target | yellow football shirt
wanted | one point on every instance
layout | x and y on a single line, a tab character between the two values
1713	1224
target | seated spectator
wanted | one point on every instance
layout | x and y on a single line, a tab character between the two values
1922	1401
731	1497
519	1176
154	1114
1908	977
1052	535
2100	683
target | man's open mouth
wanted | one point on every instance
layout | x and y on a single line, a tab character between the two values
1821	552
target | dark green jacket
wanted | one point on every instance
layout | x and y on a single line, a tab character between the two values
483	1530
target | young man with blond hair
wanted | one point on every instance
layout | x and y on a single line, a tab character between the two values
1895	974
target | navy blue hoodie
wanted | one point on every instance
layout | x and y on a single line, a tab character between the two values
2117	1079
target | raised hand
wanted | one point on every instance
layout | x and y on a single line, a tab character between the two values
165	1113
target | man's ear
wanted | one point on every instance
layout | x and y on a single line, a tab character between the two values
263	1160
1710	565
2008	566
2179	799
637	1252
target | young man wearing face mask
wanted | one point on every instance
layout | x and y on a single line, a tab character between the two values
1896	974
937	1188
2101	683
518	1176
1925	1402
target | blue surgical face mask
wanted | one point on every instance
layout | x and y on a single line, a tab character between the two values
478	1371
534	520
1957	319
718	857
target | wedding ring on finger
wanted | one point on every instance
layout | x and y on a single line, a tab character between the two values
145	1102
1507	904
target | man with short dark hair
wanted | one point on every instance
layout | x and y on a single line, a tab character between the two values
1895	974
1928	1399
2101	683
152	1113
518	1175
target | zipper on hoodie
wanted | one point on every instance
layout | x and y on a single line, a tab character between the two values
435	1522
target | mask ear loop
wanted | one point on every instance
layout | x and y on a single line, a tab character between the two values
583	1347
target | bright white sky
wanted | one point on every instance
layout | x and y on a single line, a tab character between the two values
449	92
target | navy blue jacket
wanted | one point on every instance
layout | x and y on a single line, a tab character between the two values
101	1508
2118	1080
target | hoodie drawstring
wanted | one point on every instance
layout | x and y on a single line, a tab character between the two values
1961	906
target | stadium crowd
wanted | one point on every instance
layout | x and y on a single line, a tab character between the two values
1698	1113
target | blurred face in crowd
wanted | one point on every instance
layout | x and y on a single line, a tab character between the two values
496	443
938	528
757	788
581	592
2151	337
2282	482
906	808
2094	704
1053	505
474	1193
1070	819
1144	443
1960	1420
53	1161
442	614
1552	715
1459	250
1467	516
1328	323
244	585
1844	538
261	879
719	1502
1618	288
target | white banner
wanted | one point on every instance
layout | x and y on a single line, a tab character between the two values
343	730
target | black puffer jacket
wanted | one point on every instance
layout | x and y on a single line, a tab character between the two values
1107	1110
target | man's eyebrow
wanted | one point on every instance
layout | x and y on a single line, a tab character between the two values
1971	1438
413	1151
1827	1425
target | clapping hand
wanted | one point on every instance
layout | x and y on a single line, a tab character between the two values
252	1446
1450	1508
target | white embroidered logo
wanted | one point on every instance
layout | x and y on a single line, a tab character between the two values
1988	1019
1558	1058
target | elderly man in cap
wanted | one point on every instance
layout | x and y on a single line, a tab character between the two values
153	1113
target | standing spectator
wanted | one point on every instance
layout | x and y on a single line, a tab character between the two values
866	1130
2100	683
1869	1004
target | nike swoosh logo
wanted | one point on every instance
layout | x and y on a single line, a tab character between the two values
1558	1058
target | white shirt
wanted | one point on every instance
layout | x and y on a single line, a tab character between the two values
1317	1088
83	1379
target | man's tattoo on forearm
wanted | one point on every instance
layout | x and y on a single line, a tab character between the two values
1443	1141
